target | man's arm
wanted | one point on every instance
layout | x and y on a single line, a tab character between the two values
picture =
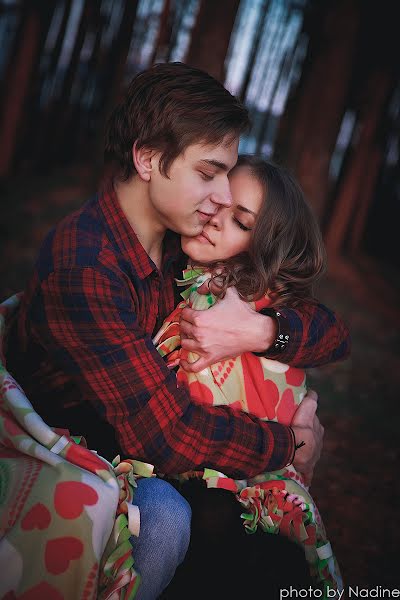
89	327
230	328
317	336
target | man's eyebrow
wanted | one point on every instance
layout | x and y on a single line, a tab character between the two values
246	210
215	163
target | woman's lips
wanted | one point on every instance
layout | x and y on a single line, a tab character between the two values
203	237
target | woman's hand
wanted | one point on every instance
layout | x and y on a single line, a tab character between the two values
307	429
227	329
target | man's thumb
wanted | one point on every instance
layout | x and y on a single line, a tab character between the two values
305	414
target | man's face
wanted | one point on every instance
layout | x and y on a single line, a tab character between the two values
197	186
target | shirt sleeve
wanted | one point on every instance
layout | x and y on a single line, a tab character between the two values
88	325
317	336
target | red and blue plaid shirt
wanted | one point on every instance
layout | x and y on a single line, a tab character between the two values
82	349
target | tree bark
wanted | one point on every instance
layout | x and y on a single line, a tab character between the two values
314	116
350	200
20	72
211	35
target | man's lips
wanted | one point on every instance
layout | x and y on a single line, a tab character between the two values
204	217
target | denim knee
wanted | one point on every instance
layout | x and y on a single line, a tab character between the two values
164	535
165	514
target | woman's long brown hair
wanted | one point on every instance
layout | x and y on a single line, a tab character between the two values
286	255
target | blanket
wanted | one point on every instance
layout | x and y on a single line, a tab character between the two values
277	502
66	514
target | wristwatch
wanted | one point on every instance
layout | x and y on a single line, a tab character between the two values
283	336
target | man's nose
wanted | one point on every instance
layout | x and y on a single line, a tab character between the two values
223	195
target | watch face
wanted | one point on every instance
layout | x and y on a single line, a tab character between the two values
280	344
283	337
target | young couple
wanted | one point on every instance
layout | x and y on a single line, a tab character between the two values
82	344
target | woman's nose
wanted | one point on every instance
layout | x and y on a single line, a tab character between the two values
215	220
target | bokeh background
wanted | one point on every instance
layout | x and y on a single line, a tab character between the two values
321	81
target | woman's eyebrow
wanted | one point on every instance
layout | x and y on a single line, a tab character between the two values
246	210
210	162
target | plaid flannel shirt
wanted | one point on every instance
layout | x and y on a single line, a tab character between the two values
82	345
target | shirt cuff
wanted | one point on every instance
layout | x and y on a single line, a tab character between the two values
294	447
283	446
289	337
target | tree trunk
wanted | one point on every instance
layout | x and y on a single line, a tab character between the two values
19	75
351	201
114	68
312	121
211	35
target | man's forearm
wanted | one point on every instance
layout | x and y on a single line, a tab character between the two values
231	441
316	336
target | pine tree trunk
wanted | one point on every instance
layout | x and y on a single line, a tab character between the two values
211	35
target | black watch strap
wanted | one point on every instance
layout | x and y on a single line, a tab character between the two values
283	336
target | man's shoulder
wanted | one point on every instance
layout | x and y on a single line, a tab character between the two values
78	240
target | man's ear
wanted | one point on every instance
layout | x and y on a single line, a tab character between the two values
142	159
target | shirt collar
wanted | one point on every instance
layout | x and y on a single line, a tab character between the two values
125	239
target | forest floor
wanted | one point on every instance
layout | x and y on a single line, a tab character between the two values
356	483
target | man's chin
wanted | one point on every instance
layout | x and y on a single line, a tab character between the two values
187	246
192	232
188	230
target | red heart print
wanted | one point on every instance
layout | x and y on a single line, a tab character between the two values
41	591
287	407
38	592
71	496
59	553
295	376
84	458
37	517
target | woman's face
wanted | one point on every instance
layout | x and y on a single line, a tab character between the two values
229	231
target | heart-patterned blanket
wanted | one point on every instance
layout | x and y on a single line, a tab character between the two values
66	514
276	502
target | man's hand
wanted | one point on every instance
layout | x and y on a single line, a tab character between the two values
307	429
226	330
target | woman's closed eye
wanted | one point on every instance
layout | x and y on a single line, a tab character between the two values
243	227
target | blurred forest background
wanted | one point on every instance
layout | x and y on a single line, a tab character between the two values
321	81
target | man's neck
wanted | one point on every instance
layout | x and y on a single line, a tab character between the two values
135	203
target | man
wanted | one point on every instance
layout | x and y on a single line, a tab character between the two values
103	283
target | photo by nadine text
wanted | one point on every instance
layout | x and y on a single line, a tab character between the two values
356	591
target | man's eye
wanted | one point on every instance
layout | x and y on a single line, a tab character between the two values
241	225
206	176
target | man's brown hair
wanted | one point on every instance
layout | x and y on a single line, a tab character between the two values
167	108
286	255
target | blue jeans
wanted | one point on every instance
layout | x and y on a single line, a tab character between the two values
164	535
